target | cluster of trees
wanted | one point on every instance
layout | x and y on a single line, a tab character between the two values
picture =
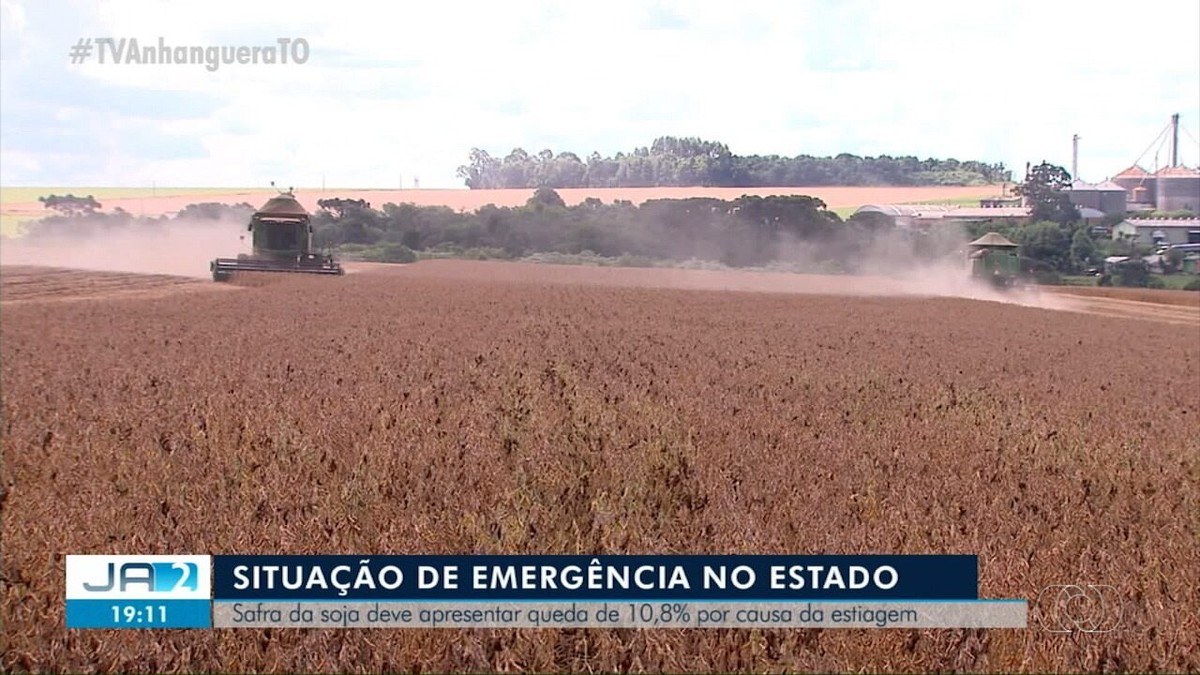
70	205
687	162
79	217
746	231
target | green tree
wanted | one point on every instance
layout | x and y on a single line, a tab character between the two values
215	211
70	205
341	207
481	171
545	197
1133	273
1048	242
1045	190
1173	260
1083	249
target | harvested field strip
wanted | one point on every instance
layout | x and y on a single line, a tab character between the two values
26	284
1148	295
1169	313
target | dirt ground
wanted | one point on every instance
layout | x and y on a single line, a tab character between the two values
1156	296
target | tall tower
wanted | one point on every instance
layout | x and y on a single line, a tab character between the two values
1175	139
1075	157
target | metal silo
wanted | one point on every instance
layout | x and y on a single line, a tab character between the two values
1084	195
1142	195
1137	182
1111	197
1178	188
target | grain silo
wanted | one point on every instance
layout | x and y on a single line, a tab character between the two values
1177	189
1142	197
1111	197
1084	195
1139	185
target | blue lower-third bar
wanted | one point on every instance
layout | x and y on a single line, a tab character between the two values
111	613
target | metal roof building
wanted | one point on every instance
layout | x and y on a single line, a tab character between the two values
1159	231
1108	196
917	215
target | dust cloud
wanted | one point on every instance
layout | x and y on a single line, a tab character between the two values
950	279
180	247
886	264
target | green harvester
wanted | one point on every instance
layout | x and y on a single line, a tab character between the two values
994	260
281	235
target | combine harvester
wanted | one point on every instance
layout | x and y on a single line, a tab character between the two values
281	242
994	260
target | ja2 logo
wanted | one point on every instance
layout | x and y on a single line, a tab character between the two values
164	577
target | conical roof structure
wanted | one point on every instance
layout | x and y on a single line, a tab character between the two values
283	205
993	239
1134	171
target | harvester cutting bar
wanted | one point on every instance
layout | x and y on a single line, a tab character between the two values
224	268
281	242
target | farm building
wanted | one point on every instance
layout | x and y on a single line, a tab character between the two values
1000	202
907	216
1107	197
975	213
921	216
1159	231
1113	261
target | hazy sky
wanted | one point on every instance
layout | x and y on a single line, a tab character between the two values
396	90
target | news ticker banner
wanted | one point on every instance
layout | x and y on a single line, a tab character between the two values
485	591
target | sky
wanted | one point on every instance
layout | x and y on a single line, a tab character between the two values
395	92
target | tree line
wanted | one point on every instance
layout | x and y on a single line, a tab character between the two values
748	231
690	162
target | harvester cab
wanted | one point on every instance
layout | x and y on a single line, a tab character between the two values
281	241
994	260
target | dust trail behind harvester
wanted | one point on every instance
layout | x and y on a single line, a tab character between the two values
180	246
185	246
952	280
887	265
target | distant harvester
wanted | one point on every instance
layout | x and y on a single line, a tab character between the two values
994	259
